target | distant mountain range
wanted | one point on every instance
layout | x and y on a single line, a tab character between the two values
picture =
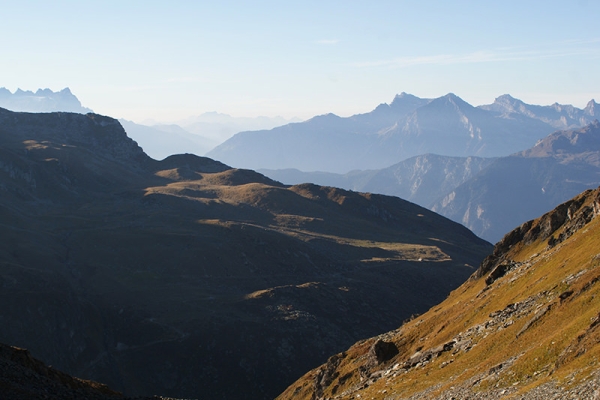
187	278
408	127
488	195
43	100
526	325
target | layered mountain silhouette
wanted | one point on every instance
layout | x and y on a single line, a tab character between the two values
406	128
525	325
43	100
188	278
488	195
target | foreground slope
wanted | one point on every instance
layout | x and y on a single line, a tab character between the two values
187	278
525	325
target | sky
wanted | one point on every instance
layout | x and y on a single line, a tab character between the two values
168	60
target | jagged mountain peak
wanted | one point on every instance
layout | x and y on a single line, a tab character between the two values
508	101
407	127
506	104
43	100
592	108
452	100
404	97
505	98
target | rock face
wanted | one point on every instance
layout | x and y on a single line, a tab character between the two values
43	100
526	324
406	128
187	278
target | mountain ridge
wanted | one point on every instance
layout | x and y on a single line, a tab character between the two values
408	127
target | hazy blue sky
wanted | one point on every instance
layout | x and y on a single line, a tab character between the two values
170	60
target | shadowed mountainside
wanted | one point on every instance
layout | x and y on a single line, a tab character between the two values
187	278
526	325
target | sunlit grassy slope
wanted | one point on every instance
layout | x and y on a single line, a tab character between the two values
529	317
